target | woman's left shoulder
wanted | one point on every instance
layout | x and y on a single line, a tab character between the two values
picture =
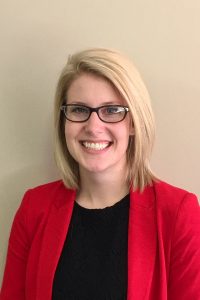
169	197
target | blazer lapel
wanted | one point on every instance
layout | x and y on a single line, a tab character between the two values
52	244
141	243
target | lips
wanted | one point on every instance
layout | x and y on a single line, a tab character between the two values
96	145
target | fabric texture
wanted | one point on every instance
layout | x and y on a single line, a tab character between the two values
163	243
93	262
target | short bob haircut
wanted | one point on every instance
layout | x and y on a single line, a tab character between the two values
124	77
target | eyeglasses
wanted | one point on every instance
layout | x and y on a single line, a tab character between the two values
107	113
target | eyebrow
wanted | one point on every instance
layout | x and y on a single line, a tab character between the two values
101	104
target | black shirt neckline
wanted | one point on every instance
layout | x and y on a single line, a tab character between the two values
121	203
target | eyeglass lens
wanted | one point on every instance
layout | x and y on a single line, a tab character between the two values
108	113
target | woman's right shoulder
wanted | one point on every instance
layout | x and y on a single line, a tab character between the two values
37	204
40	198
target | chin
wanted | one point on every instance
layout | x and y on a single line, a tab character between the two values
94	168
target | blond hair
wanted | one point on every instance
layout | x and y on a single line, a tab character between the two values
123	75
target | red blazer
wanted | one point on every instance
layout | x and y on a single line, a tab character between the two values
163	243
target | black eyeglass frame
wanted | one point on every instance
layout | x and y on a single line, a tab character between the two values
94	109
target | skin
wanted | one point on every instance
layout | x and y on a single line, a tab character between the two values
102	172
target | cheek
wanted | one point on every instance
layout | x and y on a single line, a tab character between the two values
69	138
67	131
71	134
122	135
126	130
68	134
70	130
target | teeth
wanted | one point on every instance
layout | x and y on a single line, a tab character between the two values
95	146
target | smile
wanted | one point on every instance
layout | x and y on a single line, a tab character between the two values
96	146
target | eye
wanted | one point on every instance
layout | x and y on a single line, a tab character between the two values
78	110
111	110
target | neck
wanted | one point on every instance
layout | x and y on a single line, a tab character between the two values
101	190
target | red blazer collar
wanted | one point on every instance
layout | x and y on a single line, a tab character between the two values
141	243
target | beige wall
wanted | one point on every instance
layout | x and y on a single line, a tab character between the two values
163	39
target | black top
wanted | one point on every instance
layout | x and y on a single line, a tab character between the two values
93	263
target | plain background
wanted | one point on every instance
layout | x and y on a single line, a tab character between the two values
161	37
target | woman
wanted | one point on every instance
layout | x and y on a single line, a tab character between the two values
110	229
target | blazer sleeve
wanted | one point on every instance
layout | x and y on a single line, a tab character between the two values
184	276
13	286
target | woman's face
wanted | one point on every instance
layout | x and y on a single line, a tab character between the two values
96	146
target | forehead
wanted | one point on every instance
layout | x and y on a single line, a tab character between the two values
93	89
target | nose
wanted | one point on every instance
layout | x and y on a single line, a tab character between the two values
93	123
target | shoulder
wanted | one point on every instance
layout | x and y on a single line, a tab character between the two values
40	198
37	203
48	188
167	194
173	203
165	189
163	196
